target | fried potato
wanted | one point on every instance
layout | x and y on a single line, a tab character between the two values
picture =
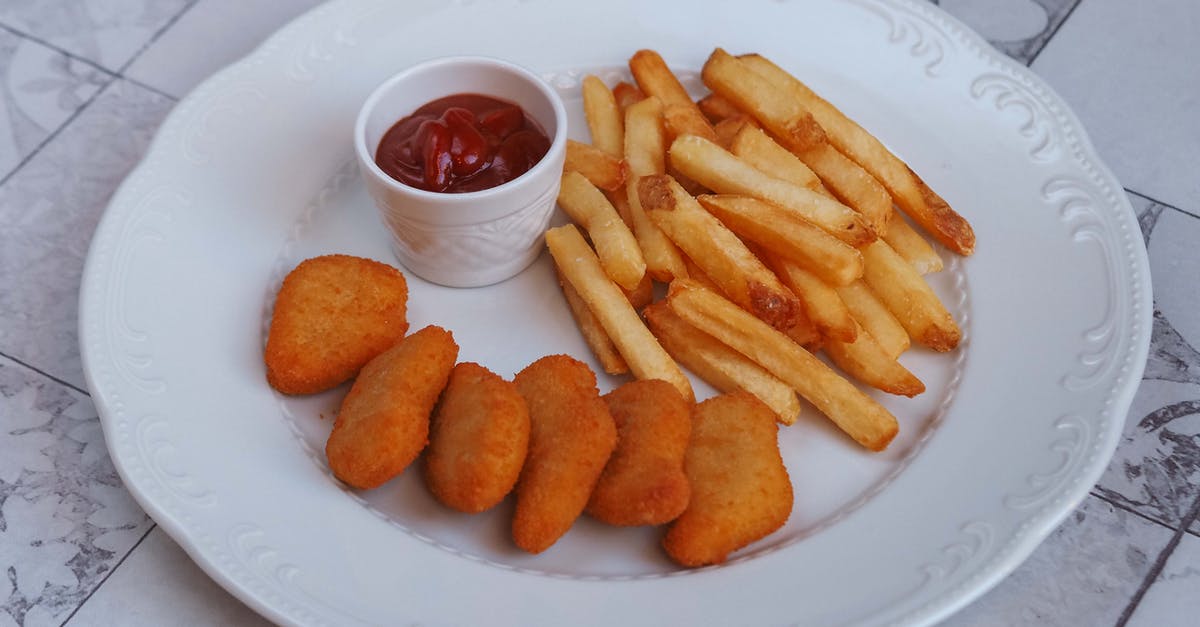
641	295
727	131
724	173
722	256
865	360
824	307
716	108
787	234
855	413
909	298
644	482
627	95
762	152
873	317
656	79
645	154
592	331
721	366
571	438
604	118
615	244
581	268
602	169
332	315
911	194
910	245
741	491
793	125
478	438
383	422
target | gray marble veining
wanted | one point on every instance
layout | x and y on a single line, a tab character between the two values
1018	28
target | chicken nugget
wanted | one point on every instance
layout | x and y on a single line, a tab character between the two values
644	482
740	488
571	437
333	314
384	420
477	440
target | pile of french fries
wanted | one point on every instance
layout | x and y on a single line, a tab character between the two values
771	216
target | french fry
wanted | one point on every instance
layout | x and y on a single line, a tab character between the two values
627	95
784	233
602	169
911	194
824	307
855	413
721	366
909	244
656	79
682	120
580	267
873	317
865	360
786	118
642	295
604	118
717	169
716	108
620	202
909	298
591	330
719	252
698	275
615	245
645	155
760	151
728	129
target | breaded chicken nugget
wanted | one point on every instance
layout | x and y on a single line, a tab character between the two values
644	482
740	489
333	314
384	420
477	440
570	439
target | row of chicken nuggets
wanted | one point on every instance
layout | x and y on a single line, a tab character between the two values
639	455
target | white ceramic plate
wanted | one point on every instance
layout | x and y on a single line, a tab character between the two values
250	174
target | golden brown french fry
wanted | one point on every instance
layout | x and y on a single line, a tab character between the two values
821	301
698	275
786	118
909	298
682	120
602	169
656	79
604	118
716	108
722	256
728	129
873	317
719	170
784	233
855	413
909	244
615	245
760	151
620	202
865	360
593	333
580	267
627	94
911	194
642	295
645	155
721	366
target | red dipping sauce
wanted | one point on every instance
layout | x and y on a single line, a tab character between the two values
462	143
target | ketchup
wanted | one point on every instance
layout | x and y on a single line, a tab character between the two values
462	143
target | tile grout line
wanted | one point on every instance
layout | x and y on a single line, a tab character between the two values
153	38
149	88
1066	17
45	374
109	574
1159	564
1159	202
1126	508
66	53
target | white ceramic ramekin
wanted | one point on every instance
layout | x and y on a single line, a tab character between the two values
475	238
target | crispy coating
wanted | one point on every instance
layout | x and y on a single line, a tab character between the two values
477	440
384	420
333	314
644	482
740	488
571	437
